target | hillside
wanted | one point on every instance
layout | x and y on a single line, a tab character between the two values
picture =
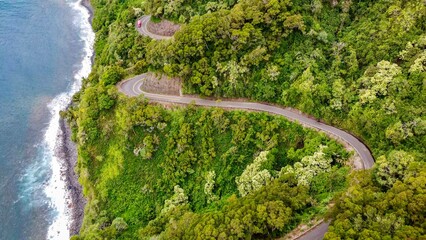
181	172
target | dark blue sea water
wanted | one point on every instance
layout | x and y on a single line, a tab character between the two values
45	49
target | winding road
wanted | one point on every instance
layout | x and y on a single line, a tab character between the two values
143	30
133	87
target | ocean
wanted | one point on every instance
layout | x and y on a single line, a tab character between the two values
45	51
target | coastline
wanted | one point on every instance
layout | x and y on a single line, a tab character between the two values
88	6
68	152
77	202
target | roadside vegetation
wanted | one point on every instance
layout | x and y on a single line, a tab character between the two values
147	166
175	172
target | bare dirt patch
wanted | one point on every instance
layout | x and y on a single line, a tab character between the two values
163	28
161	84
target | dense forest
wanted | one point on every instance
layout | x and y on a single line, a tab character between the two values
143	165
174	172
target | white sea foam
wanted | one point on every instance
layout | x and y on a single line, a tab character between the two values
56	189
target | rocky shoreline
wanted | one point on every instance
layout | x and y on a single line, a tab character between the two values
88	6
68	153
76	202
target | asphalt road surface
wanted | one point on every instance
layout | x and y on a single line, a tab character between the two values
316	233
143	30
132	87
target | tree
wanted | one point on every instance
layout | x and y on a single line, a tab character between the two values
366	212
179	198
398	132
309	167
112	75
393	167
377	85
253	177
209	186
119	224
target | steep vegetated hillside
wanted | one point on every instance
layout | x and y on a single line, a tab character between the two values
359	65
175	172
148	165
183	10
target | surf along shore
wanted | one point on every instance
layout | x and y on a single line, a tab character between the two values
67	151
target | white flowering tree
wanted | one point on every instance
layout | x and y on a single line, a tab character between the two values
208	187
309	167
377	85
179	198
389	169
253	177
